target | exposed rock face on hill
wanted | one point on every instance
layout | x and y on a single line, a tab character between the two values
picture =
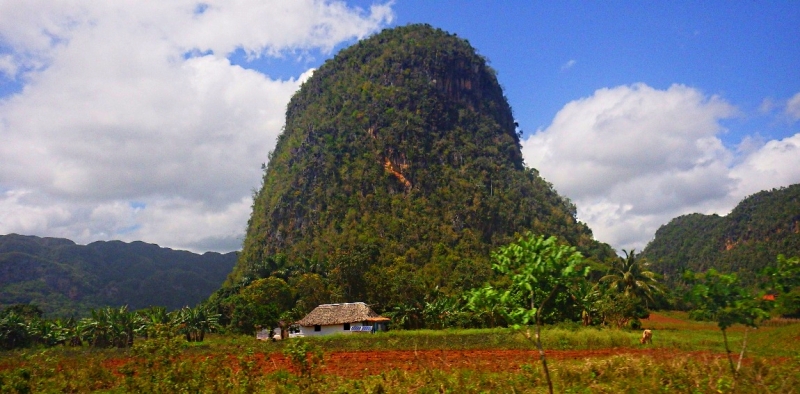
66	279
401	154
745	241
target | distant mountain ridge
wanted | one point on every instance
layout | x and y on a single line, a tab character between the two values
745	241
68	279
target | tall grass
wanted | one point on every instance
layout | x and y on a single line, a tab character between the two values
498	338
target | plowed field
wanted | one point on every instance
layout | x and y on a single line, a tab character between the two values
357	364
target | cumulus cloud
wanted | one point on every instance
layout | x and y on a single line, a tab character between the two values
767	105
776	163
793	107
8	66
132	122
634	157
566	66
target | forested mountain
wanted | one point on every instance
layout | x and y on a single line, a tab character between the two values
67	279
398	171
745	241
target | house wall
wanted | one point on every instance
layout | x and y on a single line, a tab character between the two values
327	330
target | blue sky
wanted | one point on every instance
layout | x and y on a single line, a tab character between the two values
637	111
549	53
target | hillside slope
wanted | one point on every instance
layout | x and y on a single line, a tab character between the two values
400	155
68	279
745	241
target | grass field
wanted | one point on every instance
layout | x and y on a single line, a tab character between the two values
685	356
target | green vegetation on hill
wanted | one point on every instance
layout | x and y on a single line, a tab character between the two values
747	240
398	172
67	279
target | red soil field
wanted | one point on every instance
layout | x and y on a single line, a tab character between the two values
363	363
357	364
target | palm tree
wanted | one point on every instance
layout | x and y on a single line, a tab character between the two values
631	277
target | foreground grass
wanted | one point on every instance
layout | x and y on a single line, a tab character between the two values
686	357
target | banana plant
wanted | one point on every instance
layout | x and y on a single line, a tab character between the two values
195	322
13	331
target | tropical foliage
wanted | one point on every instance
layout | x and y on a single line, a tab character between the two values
539	269
106	327
783	284
631	277
721	298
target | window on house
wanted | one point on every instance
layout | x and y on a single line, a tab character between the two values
346	327
317	328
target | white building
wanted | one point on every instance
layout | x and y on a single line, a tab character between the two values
344	318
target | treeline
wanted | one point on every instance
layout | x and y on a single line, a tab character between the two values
23	325
65	279
616	292
746	241
279	289
535	280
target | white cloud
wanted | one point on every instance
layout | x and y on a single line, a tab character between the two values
566	66
8	66
766	106
793	106
776	163
117	134
634	157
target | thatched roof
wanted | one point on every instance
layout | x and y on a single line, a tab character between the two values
329	314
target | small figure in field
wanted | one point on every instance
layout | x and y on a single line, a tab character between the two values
647	337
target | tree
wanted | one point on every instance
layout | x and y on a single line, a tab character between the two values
195	322
617	309
25	311
247	316
784	284
441	311
124	324
155	319
630	276
96	329
109	327
721	298
311	290
349	267
398	291
13	331
484	303
271	290
539	269
20	325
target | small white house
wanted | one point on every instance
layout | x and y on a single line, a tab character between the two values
343	318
